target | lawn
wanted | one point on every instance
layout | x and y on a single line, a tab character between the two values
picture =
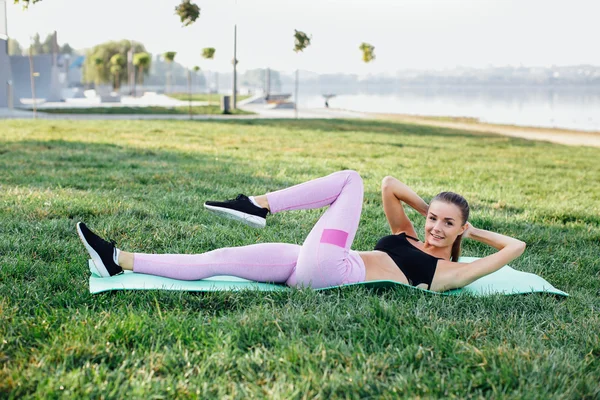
142	183
210	97
181	110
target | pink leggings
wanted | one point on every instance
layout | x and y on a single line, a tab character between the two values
324	259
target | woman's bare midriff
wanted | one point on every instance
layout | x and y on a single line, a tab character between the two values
380	266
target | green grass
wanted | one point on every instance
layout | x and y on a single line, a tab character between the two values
143	183
183	110
210	97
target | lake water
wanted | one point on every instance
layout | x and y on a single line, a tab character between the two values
575	108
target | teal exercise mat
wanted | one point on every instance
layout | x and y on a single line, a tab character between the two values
504	281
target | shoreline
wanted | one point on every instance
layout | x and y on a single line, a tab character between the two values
473	125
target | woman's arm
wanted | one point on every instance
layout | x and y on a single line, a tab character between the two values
393	193
509	249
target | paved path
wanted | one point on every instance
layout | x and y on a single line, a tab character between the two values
259	110
562	136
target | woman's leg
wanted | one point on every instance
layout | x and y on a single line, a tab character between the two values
325	258
268	262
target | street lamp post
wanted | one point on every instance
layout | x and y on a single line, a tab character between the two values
234	106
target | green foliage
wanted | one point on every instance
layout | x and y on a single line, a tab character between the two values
106	51
368	52
115	71
208	53
127	110
169	56
37	47
142	61
118	59
188	12
98	60
301	40
211	98
14	48
196	68
66	49
26	3
143	183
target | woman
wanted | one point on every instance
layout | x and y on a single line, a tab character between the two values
325	258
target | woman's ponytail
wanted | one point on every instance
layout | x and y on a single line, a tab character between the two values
456	249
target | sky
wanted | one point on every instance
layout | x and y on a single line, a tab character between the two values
407	34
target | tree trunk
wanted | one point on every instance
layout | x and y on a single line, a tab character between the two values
141	78
189	81
296	95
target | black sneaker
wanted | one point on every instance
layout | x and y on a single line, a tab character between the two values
241	209
101	251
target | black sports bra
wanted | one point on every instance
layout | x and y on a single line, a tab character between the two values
418	266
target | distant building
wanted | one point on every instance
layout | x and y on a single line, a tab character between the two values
5	74
73	65
49	78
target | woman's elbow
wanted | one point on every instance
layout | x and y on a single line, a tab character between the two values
521	246
518	247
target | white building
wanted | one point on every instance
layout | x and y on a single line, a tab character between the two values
5	70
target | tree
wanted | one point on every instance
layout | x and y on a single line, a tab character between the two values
37	46
301	41
368	52
108	49
142	61
208	53
98	60
47	46
169	56
14	48
187	11
117	62
196	69
66	49
368	55
115	71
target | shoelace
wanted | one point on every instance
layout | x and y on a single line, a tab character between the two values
240	197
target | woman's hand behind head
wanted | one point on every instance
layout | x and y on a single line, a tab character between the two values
467	233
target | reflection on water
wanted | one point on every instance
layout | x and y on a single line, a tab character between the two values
556	107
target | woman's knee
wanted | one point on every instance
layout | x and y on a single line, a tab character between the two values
351	175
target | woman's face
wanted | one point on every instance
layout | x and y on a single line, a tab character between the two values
444	224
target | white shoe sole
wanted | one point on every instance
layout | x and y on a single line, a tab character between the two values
251	220
95	257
